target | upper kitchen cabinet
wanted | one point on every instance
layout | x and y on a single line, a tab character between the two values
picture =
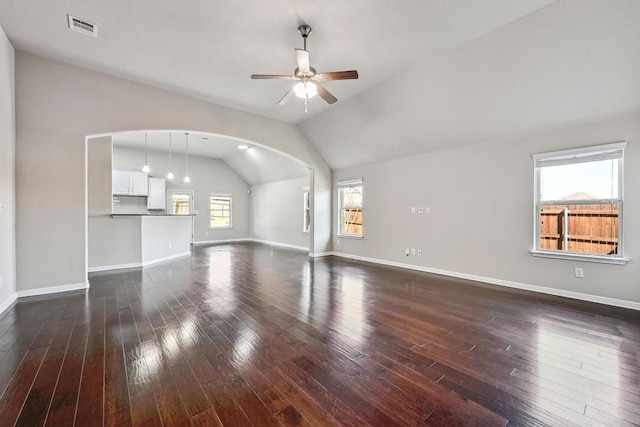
157	194
130	183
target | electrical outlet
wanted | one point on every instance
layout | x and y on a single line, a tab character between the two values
427	210
169	245
413	209
413	251
406	251
579	273
206	233
420	209
338	242
419	252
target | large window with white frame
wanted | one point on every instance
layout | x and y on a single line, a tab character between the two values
578	203
350	208
220	210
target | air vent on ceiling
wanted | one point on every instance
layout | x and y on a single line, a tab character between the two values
82	26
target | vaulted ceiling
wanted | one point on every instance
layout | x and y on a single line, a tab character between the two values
433	73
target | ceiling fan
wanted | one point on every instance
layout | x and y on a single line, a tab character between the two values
307	77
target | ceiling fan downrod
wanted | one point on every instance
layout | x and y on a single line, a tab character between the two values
304	30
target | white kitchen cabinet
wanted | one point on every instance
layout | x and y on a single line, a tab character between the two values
157	194
130	183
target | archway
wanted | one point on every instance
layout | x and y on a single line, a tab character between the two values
166	151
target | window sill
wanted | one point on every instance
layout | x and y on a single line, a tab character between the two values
222	227
349	236
580	257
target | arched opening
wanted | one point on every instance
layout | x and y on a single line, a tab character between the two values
240	191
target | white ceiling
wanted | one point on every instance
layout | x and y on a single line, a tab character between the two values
255	165
571	63
434	74
209	48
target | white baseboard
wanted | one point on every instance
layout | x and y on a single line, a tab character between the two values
281	245
52	290
507	283
5	305
249	239
137	264
114	267
215	242
321	254
166	258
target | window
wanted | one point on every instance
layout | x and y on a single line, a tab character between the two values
306	210
220	208
350	208
180	202
578	211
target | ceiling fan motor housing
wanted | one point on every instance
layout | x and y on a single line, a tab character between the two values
299	74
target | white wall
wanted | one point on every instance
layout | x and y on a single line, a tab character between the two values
277	212
7	173
207	176
57	106
481	220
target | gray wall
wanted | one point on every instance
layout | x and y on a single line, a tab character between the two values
207	176
57	106
276	212
481	220
111	242
7	172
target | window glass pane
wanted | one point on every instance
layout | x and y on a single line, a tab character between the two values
580	181
180	204
306	207
351	209
220	208
587	229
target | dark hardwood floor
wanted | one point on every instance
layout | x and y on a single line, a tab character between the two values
248	334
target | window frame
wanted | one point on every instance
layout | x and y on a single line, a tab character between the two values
347	184
613	151
221	195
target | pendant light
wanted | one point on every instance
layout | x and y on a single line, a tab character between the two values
145	168
170	174
186	164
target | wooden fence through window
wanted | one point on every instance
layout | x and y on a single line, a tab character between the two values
591	229
352	221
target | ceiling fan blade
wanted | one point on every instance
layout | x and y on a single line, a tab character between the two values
338	75
302	58
325	94
286	97
271	76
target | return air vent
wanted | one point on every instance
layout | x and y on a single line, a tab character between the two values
82	26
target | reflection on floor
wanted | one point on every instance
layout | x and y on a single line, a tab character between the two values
247	334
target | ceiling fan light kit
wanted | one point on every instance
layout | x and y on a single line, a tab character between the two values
308	79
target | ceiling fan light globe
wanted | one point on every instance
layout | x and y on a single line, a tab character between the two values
305	90
170	175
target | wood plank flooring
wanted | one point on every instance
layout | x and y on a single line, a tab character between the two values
248	334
